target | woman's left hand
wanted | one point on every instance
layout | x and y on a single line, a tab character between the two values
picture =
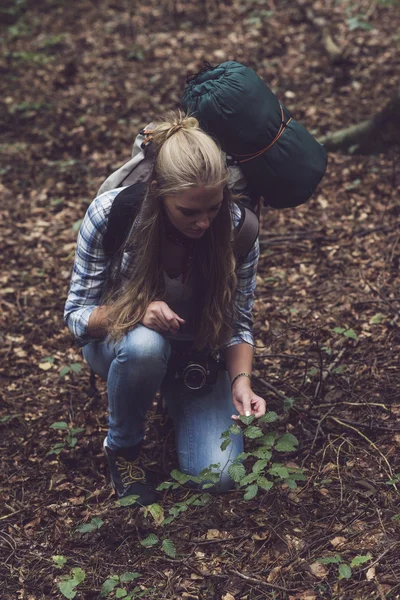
246	401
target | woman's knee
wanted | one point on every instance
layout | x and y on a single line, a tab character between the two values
143	345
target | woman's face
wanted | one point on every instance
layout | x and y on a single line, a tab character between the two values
193	210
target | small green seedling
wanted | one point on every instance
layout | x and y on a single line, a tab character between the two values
70	439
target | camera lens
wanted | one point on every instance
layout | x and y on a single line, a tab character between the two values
194	376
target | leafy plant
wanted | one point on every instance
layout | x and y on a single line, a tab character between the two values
344	568
116	586
70	439
71	368
349	333
167	545
70	582
94	525
59	561
359	22
264	472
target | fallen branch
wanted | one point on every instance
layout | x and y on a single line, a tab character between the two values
261	582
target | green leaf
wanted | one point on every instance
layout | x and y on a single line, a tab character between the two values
236	471
264	483
180	477
49	359
129	576
59	425
248	479
244	455
67	588
76	367
339	329
64	370
75	430
252	432
150	541
120	593
330	560
262	453
59	561
259	466
128	500
377	319
251	492
225	444
269	417
278	470
350	333
344	571
288	403
109	585
247	419
169	548
291	484
286	443
76	226
268	439
156	511
79	575
360	560
234	429
94	524
166	485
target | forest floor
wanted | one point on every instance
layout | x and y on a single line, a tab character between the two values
78	80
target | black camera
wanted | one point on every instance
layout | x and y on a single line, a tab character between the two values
195	368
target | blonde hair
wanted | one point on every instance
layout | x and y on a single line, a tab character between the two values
186	157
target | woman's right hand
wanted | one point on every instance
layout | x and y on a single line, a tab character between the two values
161	318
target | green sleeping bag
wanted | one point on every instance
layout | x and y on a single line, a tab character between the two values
280	160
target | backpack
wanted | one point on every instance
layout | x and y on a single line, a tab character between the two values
135	175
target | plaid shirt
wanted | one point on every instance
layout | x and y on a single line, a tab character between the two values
90	273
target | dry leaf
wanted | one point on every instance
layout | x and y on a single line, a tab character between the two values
45	366
338	541
228	596
318	570
370	574
273	574
213	534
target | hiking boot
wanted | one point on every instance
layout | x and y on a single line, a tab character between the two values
128	477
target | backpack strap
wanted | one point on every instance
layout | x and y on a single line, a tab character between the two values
124	210
246	233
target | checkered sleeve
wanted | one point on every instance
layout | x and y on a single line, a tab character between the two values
90	268
244	298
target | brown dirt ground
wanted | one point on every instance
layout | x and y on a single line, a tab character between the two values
78	80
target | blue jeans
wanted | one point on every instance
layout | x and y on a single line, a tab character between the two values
134	369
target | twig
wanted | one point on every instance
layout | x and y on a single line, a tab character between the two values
272	389
367	439
381	556
319	427
261	582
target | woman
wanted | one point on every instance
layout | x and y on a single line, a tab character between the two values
177	280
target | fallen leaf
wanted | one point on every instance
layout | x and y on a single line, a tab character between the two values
338	541
318	570
228	596
213	534
45	366
370	574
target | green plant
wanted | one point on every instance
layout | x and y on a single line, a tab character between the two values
264	472
69	582
349	333
167	545
94	525
394	480
112	586
71	368
344	568
70	438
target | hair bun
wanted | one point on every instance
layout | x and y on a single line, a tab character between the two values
171	124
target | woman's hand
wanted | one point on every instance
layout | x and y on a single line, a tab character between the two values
246	401
161	318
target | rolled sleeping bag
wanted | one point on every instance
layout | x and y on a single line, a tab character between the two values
280	159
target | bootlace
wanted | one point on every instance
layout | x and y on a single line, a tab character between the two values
129	471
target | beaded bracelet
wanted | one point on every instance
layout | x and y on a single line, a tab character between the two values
240	375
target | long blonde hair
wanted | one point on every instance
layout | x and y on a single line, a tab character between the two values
186	157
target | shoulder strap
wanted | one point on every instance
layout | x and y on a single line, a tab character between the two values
124	210
246	233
